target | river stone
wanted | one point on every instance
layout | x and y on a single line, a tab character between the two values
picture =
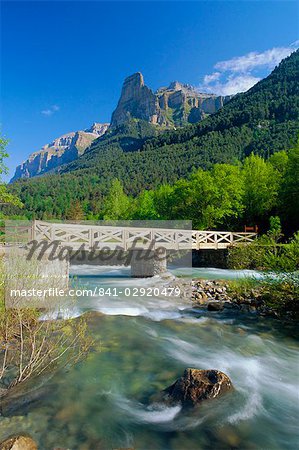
197	385
215	306
18	443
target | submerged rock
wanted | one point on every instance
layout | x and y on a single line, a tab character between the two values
18	443
215	306
21	396
197	385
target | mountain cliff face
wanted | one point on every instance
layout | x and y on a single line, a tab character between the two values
62	150
137	101
170	106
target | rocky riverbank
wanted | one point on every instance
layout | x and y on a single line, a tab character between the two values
218	295
250	297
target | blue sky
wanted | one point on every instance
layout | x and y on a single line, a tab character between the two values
63	63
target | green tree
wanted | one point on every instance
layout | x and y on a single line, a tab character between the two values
275	228
75	211
6	198
261	183
117	205
208	198
145	208
216	196
279	161
193	199
228	194
3	155
289	193
163	198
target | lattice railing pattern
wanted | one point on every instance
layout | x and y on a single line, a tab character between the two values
125	237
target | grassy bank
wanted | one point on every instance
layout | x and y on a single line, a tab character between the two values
276	295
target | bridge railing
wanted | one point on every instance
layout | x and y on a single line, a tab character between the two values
127	237
220	239
112	236
15	233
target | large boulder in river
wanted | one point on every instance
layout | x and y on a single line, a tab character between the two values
198	385
18	443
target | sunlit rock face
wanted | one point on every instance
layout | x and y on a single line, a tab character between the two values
62	150
136	101
170	106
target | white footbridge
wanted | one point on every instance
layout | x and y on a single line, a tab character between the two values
111	237
148	248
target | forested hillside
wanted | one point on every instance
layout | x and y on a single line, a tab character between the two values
263	120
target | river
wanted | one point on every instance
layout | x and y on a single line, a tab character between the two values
142	345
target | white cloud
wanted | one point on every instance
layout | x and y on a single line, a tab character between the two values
268	59
234	84
236	74
50	111
47	112
210	78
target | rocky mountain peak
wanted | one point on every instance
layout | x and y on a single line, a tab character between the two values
132	87
98	128
61	150
175	86
186	88
136	100
170	106
135	80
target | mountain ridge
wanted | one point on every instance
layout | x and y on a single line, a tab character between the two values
61	150
169	107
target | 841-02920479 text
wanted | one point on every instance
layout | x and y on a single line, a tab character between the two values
139	292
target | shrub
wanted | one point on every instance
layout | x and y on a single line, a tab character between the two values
30	346
266	254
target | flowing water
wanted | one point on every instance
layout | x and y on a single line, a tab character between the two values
142	345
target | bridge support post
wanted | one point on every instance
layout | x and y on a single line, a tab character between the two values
147	263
